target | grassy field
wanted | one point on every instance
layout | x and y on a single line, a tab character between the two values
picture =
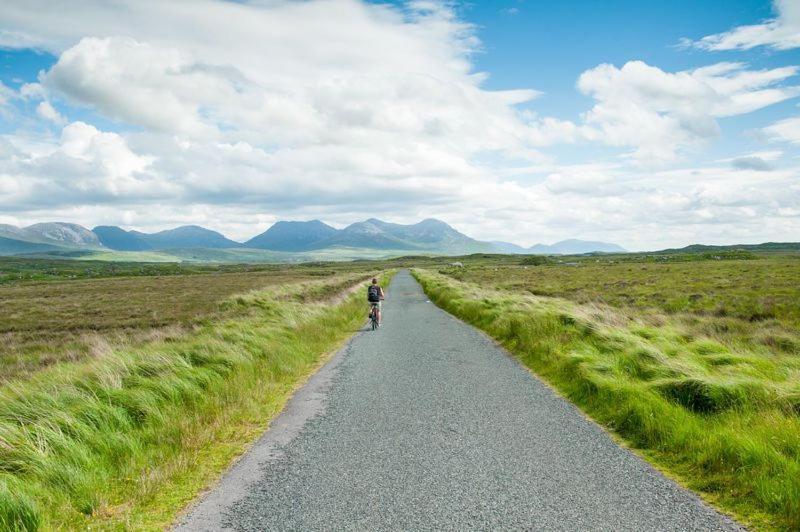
694	363
15	270
46	321
129	436
204	256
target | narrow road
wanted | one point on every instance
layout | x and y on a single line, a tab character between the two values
426	424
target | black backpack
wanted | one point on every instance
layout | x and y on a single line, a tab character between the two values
374	293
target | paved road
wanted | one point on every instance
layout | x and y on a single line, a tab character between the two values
426	424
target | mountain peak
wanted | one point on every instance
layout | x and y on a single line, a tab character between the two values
573	246
292	235
62	233
185	236
118	239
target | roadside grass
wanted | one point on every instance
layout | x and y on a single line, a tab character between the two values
45	323
754	290
723	418
127	439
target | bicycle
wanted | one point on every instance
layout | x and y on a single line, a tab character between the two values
373	317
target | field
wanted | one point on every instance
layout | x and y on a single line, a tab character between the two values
696	363
124	395
121	382
204	256
47	322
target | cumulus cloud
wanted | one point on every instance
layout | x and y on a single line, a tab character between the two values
659	113
83	166
279	72
272	104
235	114
779	33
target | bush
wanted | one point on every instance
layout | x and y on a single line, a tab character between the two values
535	260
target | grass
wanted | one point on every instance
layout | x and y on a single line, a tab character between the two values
17	270
229	256
749	289
126	439
717	407
50	322
58	318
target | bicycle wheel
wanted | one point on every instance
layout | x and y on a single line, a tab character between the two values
374	319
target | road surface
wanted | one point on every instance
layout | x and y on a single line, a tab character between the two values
426	424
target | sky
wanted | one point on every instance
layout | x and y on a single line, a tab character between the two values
646	124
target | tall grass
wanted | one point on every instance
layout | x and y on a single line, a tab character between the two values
49	322
724	421
126	440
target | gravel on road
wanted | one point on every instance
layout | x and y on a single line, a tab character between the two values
427	424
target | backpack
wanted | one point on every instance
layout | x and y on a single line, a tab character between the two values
374	293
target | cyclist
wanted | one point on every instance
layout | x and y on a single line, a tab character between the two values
374	296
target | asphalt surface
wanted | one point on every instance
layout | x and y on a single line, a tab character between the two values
426	424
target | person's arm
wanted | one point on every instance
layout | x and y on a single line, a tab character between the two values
382	295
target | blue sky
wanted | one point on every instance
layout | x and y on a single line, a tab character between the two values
650	124
547	44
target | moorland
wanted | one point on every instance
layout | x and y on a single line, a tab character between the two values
123	381
126	389
692	359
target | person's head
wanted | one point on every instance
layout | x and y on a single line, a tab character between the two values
374	280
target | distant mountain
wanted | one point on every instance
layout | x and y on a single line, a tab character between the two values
575	247
11	246
508	248
292	236
371	233
54	233
187	236
118	239
12	231
285	240
64	233
430	234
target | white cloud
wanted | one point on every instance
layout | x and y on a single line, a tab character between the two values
232	115
46	110
787	130
84	166
85	142
272	104
780	33
660	113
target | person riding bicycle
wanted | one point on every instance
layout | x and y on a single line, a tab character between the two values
375	296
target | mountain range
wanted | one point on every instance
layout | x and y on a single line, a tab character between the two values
371	237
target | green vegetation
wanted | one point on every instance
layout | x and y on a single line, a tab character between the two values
15	270
125	388
756	291
128	437
211	256
44	323
535	260
696	364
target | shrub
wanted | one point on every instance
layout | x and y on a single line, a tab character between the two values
535	260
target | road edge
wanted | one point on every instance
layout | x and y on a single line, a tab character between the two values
308	401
